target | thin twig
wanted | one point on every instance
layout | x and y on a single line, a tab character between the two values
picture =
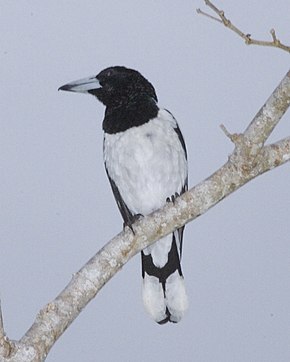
234	137
199	11
247	37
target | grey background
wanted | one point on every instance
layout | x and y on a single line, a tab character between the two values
57	209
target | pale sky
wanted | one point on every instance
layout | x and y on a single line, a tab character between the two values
56	205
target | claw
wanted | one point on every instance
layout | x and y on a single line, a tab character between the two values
173	197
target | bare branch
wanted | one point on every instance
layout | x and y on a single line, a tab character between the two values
250	143
247	37
276	154
270	114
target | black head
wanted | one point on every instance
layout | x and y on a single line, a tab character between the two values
121	85
114	86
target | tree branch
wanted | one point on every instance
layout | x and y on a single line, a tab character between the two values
276	154
247	37
249	159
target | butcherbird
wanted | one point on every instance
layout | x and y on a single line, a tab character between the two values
146	163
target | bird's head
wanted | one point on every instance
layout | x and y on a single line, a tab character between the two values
114	86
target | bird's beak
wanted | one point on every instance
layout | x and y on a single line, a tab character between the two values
83	85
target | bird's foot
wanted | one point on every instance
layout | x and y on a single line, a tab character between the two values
173	197
130	223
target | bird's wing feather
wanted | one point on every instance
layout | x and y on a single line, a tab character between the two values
185	186
125	212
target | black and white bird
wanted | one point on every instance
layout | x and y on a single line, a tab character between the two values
146	163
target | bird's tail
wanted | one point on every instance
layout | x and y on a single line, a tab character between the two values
164	294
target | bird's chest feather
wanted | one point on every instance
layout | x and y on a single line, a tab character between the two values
147	164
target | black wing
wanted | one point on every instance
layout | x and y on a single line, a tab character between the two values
128	217
179	134
185	186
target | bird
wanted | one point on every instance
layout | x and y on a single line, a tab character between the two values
145	159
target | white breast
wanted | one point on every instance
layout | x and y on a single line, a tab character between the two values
147	163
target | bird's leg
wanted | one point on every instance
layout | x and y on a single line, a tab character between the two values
130	223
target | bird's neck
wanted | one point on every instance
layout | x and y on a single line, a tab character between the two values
129	114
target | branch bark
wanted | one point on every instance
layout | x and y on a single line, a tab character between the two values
249	159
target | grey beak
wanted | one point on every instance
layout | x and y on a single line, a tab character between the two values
82	85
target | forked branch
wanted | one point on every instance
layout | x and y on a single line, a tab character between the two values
275	42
